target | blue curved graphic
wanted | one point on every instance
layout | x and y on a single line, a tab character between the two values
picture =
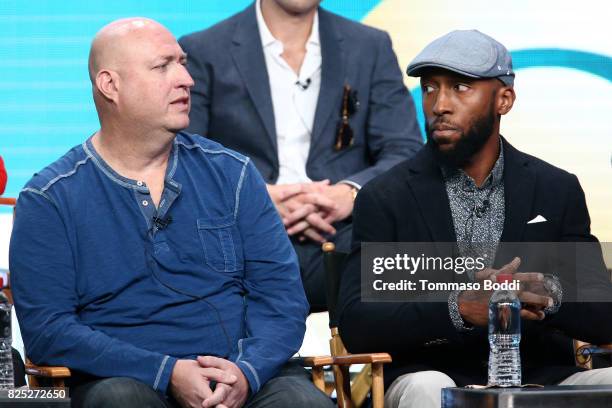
594	64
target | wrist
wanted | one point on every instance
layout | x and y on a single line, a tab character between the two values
174	378
349	189
455	312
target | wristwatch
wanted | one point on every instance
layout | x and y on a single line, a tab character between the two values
555	289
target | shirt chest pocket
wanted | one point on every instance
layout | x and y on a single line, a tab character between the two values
221	243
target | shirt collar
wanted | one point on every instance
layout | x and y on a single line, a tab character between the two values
91	151
497	173
267	38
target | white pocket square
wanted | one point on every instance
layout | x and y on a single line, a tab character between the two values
537	219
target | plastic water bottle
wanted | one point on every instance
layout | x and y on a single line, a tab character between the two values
6	355
504	337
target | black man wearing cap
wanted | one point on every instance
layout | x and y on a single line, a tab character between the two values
468	184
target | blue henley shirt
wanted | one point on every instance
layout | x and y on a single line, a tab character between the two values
101	288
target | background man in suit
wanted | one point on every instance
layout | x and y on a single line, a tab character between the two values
318	103
469	185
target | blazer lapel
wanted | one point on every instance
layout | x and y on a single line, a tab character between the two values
519	184
332	76
248	56
429	190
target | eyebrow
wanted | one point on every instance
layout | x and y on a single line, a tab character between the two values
168	58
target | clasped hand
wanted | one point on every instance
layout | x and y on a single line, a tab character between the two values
534	297
190	383
308	210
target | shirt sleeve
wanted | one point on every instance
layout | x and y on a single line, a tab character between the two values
276	306
584	320
43	279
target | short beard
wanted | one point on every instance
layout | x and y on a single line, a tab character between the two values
469	143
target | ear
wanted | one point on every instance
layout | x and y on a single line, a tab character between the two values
107	84
505	99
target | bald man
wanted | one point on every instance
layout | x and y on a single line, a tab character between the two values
151	262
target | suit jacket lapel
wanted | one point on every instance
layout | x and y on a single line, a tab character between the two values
429	190
519	184
248	56
332	75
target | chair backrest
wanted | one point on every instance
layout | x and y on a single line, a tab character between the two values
332	262
8	201
18	365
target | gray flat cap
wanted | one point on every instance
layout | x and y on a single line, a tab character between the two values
466	52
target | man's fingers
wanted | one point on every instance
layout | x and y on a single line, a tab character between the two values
281	192
320	201
218	375
212	361
294	204
297	228
535	300
217	396
283	209
205	391
316	186
531	315
298	214
319	223
510	267
290	190
484	274
529	276
490	273
314	235
535	287
325	182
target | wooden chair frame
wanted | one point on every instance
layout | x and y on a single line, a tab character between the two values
371	377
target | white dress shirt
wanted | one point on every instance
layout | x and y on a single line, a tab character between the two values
294	107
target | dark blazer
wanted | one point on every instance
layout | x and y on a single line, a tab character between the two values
231	100
409	203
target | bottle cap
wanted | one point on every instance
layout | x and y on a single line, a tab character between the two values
504	277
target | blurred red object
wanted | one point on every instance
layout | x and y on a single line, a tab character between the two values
2	176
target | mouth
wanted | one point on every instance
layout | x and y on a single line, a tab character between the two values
442	131
182	101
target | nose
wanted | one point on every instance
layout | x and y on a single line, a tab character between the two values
442	103
184	79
